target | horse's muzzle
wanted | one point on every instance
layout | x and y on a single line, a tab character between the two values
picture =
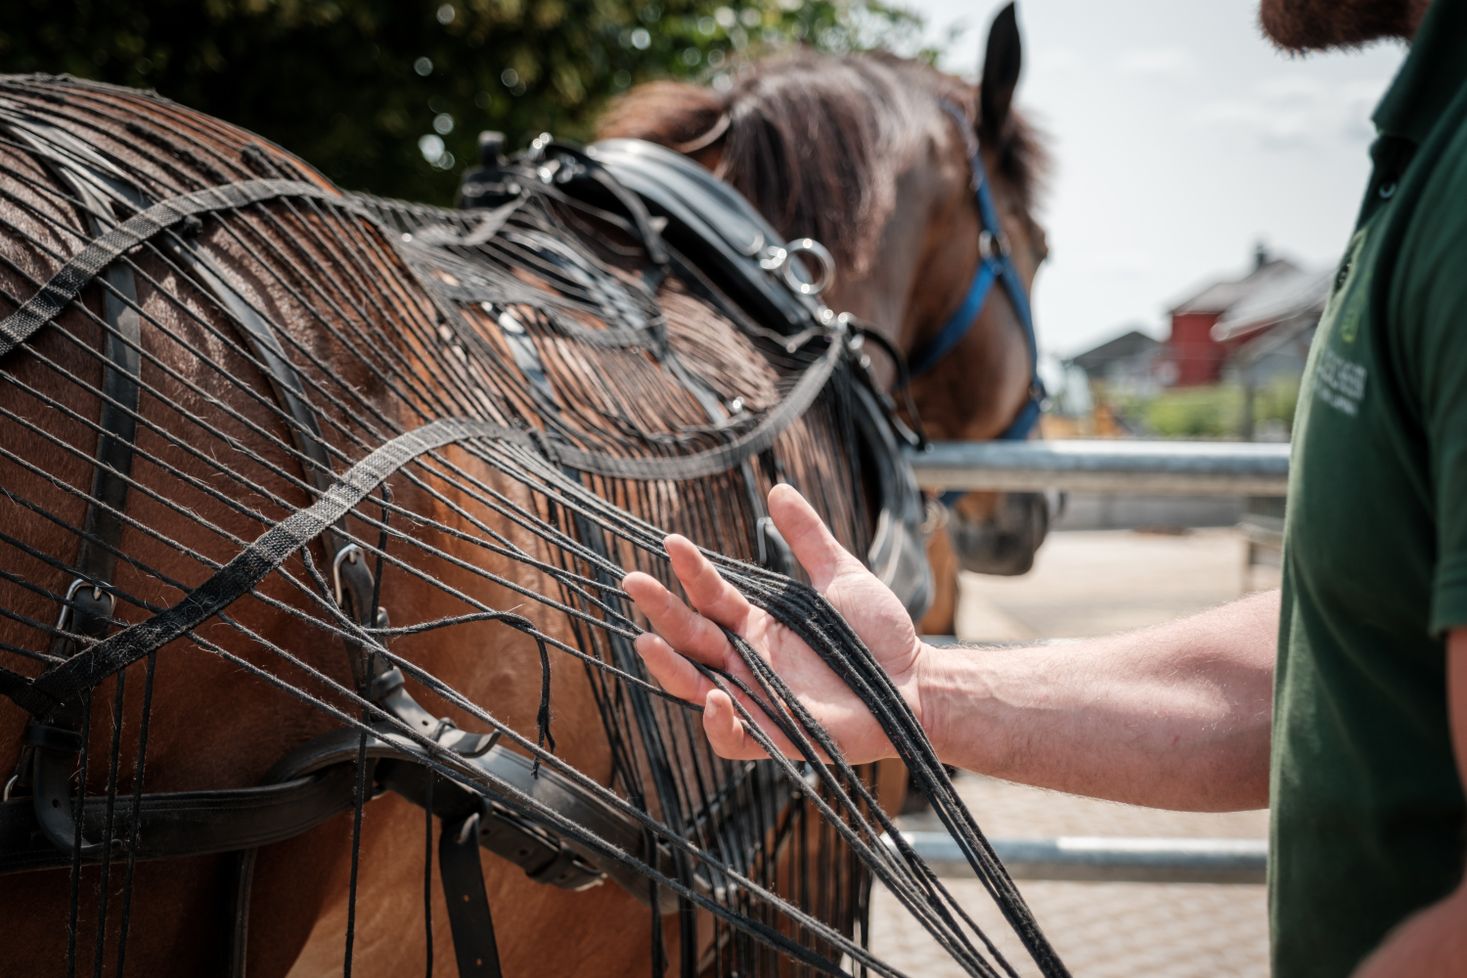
1005	542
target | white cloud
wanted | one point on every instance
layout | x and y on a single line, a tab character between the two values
1292	88
1294	112
1156	64
1124	262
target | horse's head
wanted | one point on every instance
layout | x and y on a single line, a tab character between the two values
881	159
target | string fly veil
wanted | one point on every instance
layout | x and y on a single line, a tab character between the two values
306	491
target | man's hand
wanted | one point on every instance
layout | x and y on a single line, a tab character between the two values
1175	716
874	612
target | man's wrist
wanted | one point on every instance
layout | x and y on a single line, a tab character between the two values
952	690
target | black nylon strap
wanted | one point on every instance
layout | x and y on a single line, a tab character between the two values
713	461
272	547
249	567
69	280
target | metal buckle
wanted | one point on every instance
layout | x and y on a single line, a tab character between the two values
991	245
350	554
99	595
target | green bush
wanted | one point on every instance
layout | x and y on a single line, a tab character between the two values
1196	412
1215	411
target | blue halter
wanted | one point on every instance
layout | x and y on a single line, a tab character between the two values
994	266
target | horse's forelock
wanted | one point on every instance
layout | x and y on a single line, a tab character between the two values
674	114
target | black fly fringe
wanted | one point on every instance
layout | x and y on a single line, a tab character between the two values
511	408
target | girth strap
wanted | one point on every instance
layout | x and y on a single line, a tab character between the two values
469	916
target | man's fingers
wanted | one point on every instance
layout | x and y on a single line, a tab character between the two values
726	731
809	539
729	733
706	588
682	627
672	670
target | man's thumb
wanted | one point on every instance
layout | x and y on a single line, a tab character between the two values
818	552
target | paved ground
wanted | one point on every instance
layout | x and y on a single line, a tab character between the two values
1088	583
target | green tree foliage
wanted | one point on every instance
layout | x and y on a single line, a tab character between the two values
389	95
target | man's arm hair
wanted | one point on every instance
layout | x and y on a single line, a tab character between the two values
1174	716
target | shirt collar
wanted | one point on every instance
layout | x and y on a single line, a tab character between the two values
1431	75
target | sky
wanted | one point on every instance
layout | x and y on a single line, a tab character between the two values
1180	138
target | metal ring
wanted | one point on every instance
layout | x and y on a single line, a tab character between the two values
991	244
350	553
824	273
9	787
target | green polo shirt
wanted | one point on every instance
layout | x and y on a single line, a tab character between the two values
1368	811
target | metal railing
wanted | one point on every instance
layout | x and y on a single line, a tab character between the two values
1106	859
1161	467
1142	467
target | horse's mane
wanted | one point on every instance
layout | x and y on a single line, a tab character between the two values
817	141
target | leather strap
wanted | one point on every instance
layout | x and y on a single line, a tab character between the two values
995	266
182	823
711	223
52	747
468	903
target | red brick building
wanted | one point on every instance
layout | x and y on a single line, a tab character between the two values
1192	355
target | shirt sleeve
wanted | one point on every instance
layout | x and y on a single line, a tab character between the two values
1433	310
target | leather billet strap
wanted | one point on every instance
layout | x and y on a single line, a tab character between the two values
50	748
475	949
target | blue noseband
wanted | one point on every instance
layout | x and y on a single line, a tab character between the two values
994	266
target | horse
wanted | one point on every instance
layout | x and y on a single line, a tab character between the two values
408	412
870	155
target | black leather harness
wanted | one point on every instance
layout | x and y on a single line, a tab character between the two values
684	214
42	826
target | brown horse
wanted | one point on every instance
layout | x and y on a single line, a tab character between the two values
859	153
379	318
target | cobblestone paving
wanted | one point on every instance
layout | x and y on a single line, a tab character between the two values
1101	930
1091	583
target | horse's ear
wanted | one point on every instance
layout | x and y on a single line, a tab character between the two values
1000	72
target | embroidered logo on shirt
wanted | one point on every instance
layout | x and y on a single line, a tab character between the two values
1338	382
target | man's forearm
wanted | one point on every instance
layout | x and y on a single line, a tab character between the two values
1174	716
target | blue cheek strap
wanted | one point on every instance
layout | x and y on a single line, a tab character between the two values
925	357
995	267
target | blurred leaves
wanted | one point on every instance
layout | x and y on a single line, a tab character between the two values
389	95
1212	411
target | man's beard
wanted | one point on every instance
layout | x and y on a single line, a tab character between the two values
1313	25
